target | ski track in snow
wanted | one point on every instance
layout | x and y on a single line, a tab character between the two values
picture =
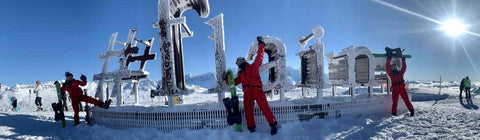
438	116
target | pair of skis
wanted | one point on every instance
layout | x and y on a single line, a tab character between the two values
231	104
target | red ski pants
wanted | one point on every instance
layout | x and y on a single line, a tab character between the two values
76	100
256	94
402	92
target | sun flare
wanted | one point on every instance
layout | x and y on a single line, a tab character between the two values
453	27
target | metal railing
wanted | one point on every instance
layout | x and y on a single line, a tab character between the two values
214	115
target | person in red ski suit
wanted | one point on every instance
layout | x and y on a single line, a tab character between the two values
249	77
398	85
76	94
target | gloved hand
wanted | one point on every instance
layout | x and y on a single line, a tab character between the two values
260	40
389	52
83	78
225	76
399	54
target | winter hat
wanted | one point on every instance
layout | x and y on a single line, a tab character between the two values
68	74
38	82
240	60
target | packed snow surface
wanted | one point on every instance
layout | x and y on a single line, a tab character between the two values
438	116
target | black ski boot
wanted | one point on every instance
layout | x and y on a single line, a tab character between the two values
412	112
106	104
274	128
252	129
394	113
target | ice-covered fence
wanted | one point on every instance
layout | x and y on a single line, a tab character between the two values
214	115
170	24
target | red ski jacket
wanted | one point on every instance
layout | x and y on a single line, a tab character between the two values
74	90
250	76
397	78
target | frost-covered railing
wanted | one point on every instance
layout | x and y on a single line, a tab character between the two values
214	115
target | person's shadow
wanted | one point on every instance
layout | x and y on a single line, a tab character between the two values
469	104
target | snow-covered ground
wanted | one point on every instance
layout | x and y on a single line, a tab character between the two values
439	116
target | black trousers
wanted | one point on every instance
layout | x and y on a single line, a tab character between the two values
467	92
38	101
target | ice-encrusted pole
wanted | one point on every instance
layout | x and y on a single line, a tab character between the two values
218	38
318	32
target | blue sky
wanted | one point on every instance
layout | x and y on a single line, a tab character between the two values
41	40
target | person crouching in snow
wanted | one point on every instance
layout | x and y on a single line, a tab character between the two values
398	84
76	94
38	95
249	77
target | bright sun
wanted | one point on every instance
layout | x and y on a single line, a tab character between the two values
453	27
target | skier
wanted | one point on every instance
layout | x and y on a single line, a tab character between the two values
252	87
467	87
398	83
462	87
38	95
14	103
72	86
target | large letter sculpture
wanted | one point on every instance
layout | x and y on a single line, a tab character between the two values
312	61
276	52
352	67
123	73
171	23
219	43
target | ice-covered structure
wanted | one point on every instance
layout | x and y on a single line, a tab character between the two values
123	73
170	24
218	38
276	66
358	66
312	62
354	67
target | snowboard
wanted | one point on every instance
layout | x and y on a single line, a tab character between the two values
231	104
394	53
58	107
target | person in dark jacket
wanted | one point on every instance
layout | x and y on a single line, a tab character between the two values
14	104
462	87
398	84
249	77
